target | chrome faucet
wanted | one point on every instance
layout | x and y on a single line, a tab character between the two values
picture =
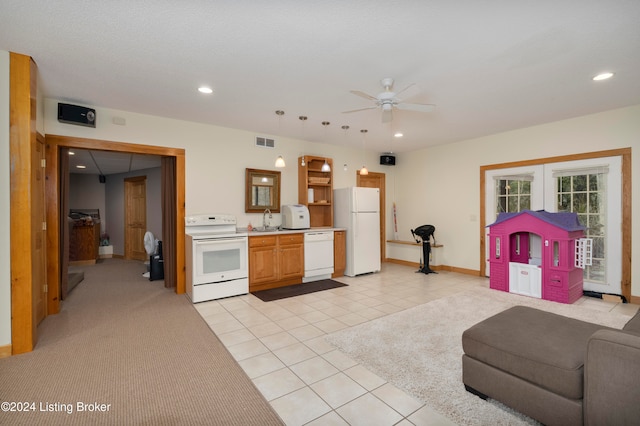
264	218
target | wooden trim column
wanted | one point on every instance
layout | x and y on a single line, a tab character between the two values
22	118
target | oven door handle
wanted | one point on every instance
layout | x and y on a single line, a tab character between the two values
220	240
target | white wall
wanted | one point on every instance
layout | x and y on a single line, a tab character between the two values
441	185
216	157
5	185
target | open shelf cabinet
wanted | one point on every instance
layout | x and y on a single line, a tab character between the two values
310	176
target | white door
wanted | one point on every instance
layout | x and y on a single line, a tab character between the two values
512	190
592	189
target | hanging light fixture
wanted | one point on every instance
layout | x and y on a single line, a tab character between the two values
325	167
280	161
363	170
302	162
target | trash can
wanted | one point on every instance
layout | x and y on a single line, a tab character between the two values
156	264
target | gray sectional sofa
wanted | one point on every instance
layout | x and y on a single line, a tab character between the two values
554	369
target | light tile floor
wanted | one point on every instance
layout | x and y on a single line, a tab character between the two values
281	346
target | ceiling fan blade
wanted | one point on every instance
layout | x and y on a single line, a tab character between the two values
360	109
364	95
416	107
387	115
406	88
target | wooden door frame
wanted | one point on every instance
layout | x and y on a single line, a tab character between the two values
53	146
383	207
625	154
127	249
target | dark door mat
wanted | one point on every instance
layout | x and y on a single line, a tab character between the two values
296	290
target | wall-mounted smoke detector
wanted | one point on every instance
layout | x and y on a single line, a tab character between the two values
265	142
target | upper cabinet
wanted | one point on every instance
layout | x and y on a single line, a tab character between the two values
315	189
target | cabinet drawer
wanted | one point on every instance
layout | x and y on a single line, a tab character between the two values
262	241
291	239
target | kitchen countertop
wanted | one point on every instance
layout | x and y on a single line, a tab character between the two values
255	233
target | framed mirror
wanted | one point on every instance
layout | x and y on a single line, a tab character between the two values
262	191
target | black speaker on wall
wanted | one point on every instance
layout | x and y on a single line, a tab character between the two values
387	160
75	114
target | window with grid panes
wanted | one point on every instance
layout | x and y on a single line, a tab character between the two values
512	195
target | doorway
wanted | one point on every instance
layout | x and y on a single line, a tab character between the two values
54	144
549	180
377	180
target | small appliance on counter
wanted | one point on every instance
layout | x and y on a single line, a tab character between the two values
295	216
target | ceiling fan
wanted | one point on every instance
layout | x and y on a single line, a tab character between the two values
388	100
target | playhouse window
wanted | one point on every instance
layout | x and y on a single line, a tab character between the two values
556	253
497	247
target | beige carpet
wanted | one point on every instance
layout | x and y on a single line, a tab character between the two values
136	347
419	350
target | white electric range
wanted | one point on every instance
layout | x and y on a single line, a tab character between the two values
216	257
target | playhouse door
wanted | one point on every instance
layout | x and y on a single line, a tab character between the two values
525	279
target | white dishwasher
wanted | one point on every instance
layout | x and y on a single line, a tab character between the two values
318	255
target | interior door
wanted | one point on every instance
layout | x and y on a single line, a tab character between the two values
135	193
377	180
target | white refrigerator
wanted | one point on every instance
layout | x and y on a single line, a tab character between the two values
358	211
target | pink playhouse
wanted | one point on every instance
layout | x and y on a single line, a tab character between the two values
538	254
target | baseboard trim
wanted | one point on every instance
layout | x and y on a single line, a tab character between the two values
473	272
635	300
5	351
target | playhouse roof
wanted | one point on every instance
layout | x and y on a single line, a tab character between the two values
563	220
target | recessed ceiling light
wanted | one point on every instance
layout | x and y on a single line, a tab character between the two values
81	167
398	134
603	76
204	89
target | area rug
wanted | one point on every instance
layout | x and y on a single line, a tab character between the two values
419	350
296	290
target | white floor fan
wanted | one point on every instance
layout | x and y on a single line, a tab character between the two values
150	246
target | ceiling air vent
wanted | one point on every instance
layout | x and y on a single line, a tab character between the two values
265	142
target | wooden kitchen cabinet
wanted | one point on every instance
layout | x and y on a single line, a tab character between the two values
275	261
339	253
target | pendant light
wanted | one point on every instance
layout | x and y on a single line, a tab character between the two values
363	170
303	119
280	161
325	167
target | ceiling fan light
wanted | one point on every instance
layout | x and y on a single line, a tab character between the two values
280	162
325	167
364	171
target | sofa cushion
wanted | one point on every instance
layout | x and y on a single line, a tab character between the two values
543	348
633	324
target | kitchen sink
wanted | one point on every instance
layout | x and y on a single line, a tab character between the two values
266	229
